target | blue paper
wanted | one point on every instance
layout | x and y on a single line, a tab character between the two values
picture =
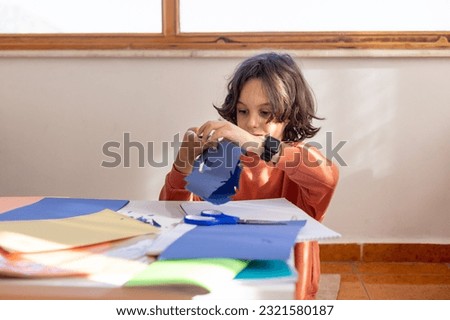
265	269
241	241
215	175
60	208
222	194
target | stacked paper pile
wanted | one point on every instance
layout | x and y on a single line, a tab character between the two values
62	237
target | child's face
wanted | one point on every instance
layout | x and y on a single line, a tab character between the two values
253	109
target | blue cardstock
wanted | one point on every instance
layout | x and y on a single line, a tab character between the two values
60	208
240	241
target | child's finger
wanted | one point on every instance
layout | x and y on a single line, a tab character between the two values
215	136
192	131
205	129
210	144
201	129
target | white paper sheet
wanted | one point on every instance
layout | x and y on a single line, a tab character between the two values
268	209
167	238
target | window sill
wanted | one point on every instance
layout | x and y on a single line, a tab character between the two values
336	53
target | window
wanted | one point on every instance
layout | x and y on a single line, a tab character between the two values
224	24
80	16
313	15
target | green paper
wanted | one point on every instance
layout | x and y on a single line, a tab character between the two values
206	273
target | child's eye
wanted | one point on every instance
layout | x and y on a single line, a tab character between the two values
265	114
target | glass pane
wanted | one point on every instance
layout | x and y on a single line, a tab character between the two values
80	16
314	15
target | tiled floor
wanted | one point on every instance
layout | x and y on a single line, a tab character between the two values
391	280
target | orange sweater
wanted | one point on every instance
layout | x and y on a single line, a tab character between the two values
303	176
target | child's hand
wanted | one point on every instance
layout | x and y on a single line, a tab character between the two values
190	148
211	131
196	140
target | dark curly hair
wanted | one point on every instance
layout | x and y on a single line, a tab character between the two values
290	96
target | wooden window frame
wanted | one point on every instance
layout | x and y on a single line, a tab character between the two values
172	38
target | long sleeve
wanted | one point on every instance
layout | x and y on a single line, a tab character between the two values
315	176
174	187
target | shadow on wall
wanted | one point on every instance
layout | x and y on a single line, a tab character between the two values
393	185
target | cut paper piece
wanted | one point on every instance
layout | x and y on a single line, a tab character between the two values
60	208
241	241
228	189
215	174
109	263
48	235
206	273
165	213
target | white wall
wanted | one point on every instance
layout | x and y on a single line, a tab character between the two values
56	114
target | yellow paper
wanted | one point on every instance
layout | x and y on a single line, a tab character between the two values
57	234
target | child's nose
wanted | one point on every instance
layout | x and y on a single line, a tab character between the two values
253	121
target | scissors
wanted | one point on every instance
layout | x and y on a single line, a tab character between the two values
216	217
